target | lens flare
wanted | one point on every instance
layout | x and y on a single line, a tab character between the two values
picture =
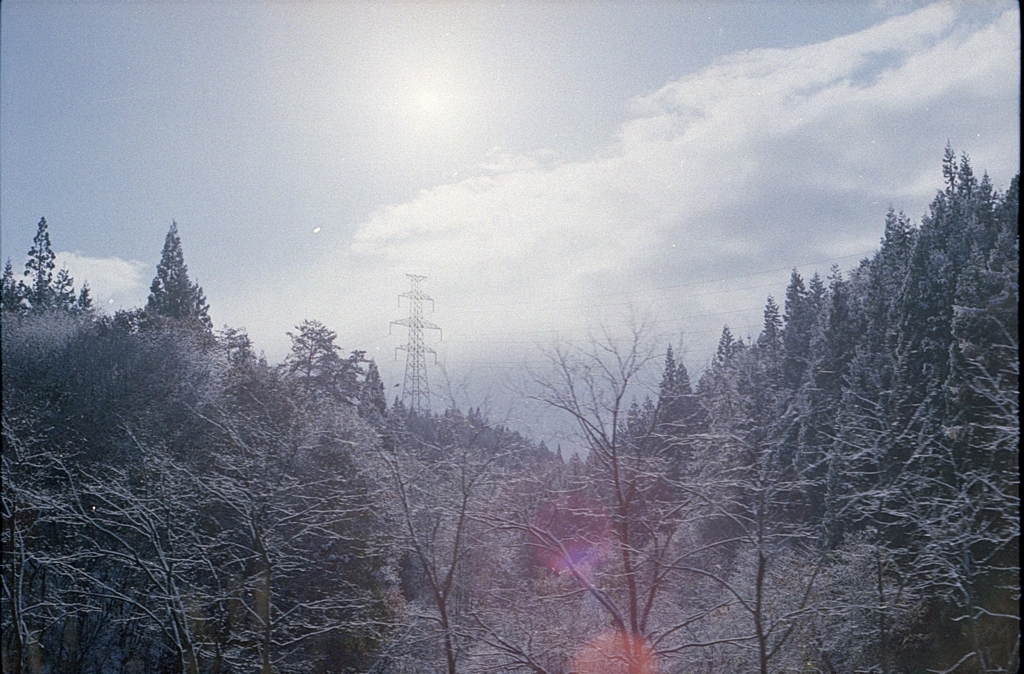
572	535
616	652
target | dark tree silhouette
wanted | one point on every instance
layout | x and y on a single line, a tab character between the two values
172	294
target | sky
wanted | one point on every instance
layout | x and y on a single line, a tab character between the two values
551	168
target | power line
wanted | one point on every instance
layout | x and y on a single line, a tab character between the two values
677	286
481	338
555	331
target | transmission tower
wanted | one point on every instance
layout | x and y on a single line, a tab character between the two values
415	389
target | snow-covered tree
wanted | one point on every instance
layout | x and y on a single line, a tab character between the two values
316	366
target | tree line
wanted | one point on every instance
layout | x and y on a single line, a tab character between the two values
838	494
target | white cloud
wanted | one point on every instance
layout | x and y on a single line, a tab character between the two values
113	283
765	160
500	161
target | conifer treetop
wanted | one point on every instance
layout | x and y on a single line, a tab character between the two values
39	268
40	289
172	294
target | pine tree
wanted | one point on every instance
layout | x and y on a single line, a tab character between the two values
870	374
39	270
314	353
668	392
10	291
769	342
796	337
678	415
238	347
63	291
887	273
84	301
373	402
955	224
949	167
677	406
42	290
172	294
718	382
726	348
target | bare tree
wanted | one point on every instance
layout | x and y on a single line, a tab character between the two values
295	540
52	615
530	612
768	559
143	520
27	612
439	488
618	525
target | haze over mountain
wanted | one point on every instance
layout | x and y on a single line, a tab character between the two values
549	167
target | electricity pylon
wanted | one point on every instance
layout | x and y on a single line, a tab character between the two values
415	388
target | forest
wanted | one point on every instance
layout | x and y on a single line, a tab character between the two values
839	494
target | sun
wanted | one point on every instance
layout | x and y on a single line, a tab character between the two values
430	102
430	106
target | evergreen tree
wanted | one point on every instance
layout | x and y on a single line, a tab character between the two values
870	375
373	402
833	342
172	294
678	416
885	276
840	332
669	393
677	407
769	342
949	167
984	325
39	290
84	301
960	219
42	290
10	291
718	384
238	347
799	324
63	291
725	351
314	354
668	378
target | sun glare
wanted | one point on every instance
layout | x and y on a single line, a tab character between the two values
430	102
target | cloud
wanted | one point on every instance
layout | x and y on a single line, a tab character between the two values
718	185
114	283
499	161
